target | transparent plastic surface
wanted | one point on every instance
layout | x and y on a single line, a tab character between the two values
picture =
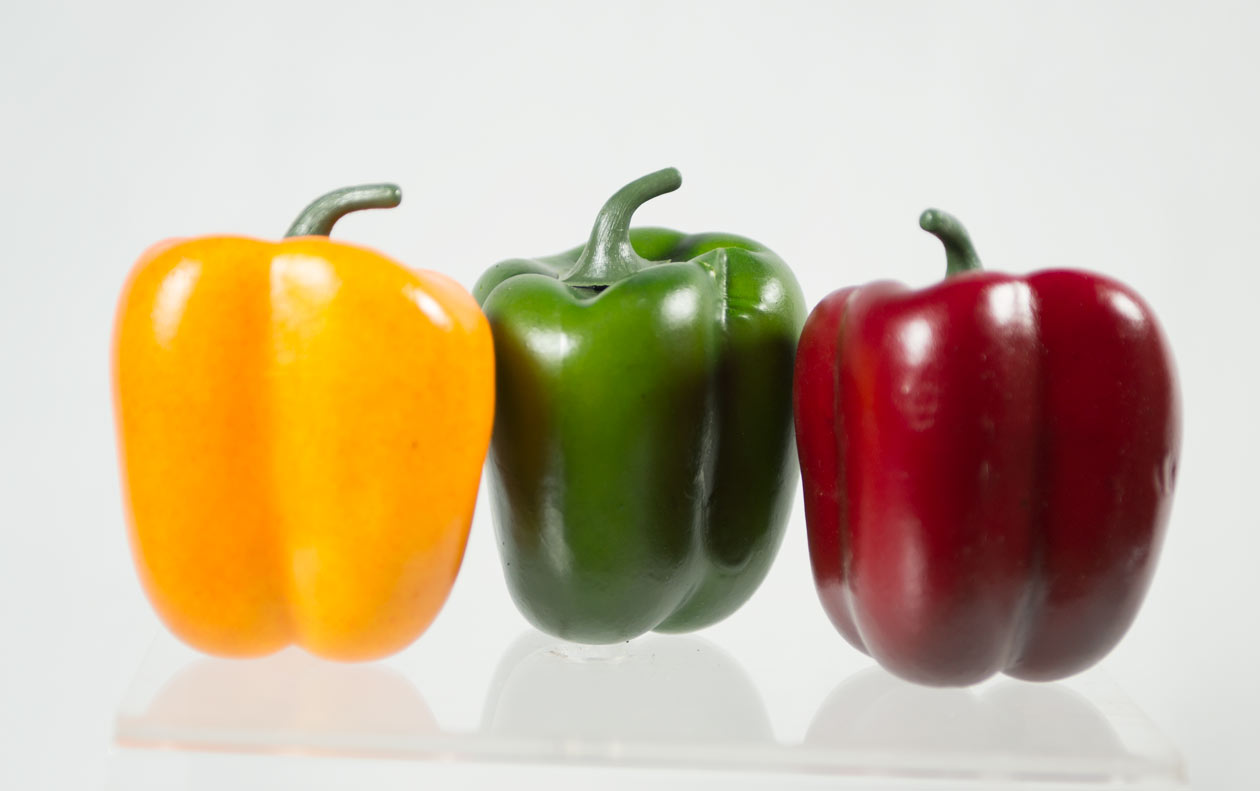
658	702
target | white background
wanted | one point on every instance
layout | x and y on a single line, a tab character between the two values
1114	137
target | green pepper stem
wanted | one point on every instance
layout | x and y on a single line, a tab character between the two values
318	218
609	256
960	254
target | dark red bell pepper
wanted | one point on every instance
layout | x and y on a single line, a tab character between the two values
988	466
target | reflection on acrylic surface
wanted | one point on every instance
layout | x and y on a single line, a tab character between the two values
1007	728
874	710
674	691
656	701
287	701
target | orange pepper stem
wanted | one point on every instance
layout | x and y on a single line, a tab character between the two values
318	218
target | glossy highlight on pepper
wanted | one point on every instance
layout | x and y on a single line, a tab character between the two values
988	466
301	428
642	467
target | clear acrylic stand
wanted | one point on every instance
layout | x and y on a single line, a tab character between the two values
659	702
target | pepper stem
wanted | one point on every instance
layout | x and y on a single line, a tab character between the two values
609	256
960	254
318	218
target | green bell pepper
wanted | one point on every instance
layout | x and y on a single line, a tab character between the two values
643	461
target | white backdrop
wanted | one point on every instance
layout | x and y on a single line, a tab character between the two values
1115	137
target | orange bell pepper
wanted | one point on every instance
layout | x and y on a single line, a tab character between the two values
302	426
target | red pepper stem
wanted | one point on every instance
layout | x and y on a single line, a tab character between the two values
960	254
318	218
609	256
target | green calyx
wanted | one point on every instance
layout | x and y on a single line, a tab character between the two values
960	254
609	256
318	218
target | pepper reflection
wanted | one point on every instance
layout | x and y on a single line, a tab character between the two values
621	700
1009	728
289	701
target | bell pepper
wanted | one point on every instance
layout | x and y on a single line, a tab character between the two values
642	459
301	426
988	466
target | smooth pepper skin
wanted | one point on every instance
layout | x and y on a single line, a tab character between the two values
642	464
988	466
302	426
